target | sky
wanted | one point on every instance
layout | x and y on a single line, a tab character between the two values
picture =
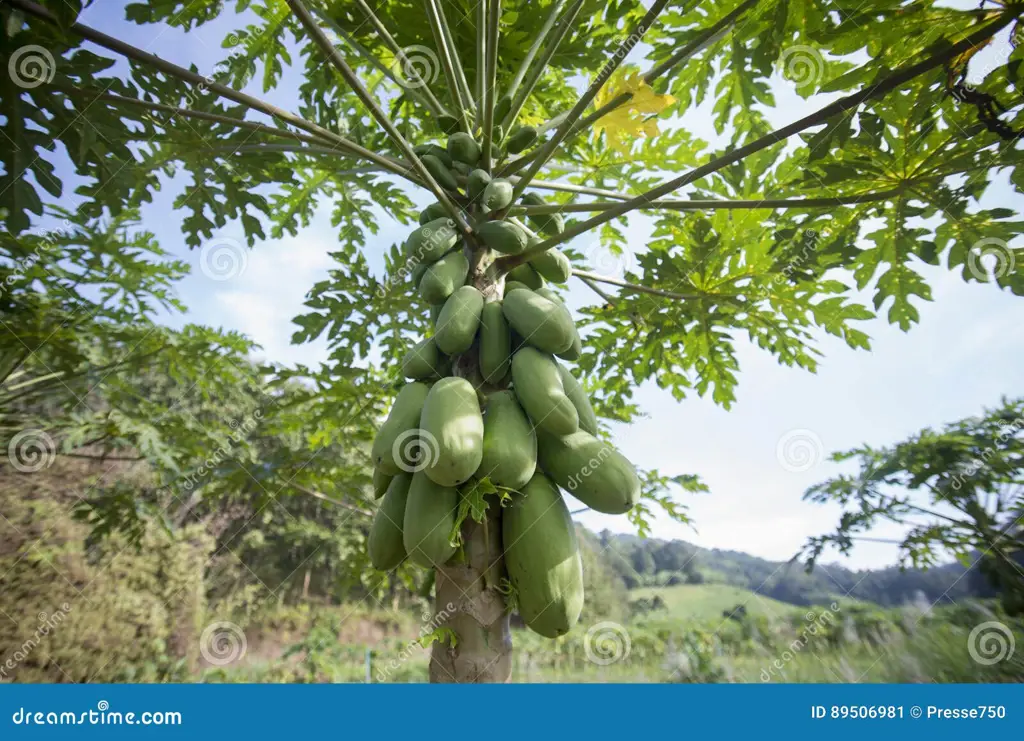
966	352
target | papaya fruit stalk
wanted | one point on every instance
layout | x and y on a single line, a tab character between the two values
483	647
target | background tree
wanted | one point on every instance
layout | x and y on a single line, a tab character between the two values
769	240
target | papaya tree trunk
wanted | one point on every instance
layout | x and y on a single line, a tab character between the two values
466	598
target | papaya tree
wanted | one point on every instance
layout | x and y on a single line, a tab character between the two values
480	108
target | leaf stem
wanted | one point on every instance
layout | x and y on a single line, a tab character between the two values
586	275
448	62
490	79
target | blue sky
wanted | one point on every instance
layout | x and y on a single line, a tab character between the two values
967	351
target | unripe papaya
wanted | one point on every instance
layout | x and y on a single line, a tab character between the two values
460	318
386	544
548	294
526	275
430	242
543	558
497	195
502	107
538	387
495	343
381	481
424	361
513	285
461	168
393	436
547	325
463	147
439	172
553	265
443	277
453	429
431	212
478	180
575	350
503	236
520	139
435	313
590	469
578	397
448	124
549	224
510	444
429	519
436	150
418	269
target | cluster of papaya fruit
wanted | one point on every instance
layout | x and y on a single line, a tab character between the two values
487	398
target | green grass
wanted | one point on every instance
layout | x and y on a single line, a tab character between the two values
708	601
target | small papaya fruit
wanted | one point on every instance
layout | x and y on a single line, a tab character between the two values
510	444
389	444
549	224
478	180
553	265
542	557
502	107
444	276
448	124
538	387
547	325
526	275
590	469
424	361
495	343
463	147
503	236
453	432
439	172
381	481
430	514
386	543
579	399
497	195
521	138
433	211
430	242
459	320
513	285
575	350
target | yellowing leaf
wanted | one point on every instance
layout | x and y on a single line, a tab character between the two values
634	117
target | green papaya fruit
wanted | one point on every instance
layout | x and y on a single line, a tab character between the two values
463	147
439	172
548	294
503	236
549	224
418	269
381	481
499	133
459	320
513	285
441	153
433	240
495	152
394	435
432	212
448	124
575	350
553	265
478	180
461	168
579	399
453	431
510	444
429	519
435	313
424	361
386	546
538	386
520	139
444	276
497	195
502	107
543	558
590	469
422	149
526	275
495	343
547	325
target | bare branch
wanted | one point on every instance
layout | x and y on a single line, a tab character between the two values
490	79
538	42
634	287
447	62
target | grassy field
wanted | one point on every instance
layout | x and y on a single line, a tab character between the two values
712	601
